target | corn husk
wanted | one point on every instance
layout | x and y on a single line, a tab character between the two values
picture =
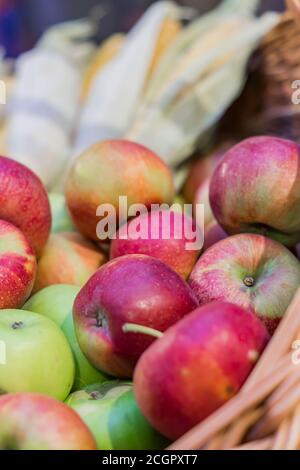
197	81
117	90
106	53
197	29
170	29
70	39
45	99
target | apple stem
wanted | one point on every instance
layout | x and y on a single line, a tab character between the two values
133	328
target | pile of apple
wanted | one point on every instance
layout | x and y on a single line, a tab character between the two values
132	352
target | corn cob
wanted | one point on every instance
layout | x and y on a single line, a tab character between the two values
118	89
106	52
169	32
196	87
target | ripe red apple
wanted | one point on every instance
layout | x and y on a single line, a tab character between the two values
24	202
111	169
213	234
202	169
36	422
202	198
68	258
197	366
130	289
256	188
249	270
199	172
172	237
17	266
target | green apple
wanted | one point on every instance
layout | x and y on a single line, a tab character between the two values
37	356
56	303
112	414
61	220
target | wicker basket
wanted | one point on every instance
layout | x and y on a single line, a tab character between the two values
280	67
265	106
266	412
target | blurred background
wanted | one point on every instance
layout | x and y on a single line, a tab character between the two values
23	21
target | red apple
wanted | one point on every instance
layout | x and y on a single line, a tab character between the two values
249	270
199	172
130	289
202	198
213	234
68	258
170	236
36	422
197	366
256	188
111	169
17	267
24	202
202	169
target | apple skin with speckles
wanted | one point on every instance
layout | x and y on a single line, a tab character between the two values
31	421
110	169
256	188
202	198
56	303
197	366
37	358
249	270
167	235
135	289
24	203
68	258
213	234
17	267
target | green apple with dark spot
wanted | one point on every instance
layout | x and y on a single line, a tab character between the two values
56	303
111	413
36	355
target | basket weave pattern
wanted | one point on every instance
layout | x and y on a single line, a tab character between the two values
266	412
265	415
279	68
